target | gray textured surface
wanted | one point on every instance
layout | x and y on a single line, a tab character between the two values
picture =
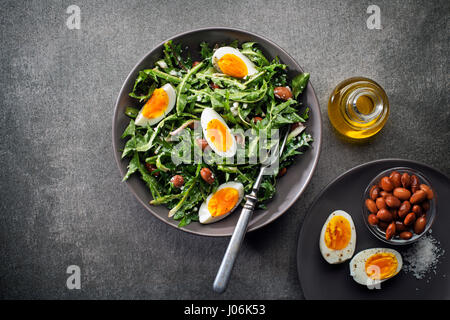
61	199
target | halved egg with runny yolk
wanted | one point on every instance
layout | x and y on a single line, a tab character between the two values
217	133
372	266
158	106
221	203
338	237
338	233
232	62
384	262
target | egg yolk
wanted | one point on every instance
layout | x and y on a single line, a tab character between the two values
219	134
233	66
156	105
338	233
381	266
223	201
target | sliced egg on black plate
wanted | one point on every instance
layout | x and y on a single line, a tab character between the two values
373	266
338	237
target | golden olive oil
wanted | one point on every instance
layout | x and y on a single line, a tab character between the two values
358	108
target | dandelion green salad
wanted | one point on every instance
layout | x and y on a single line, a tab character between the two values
241	93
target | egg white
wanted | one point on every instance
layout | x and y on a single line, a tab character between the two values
338	256
219	53
209	114
143	121
358	265
205	216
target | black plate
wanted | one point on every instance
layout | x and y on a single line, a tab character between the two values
320	280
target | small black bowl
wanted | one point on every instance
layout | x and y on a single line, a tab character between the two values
377	231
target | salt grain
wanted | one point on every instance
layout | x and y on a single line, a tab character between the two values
423	257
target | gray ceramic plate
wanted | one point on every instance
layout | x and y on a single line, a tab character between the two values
320	280
289	188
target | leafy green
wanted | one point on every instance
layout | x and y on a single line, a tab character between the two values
130	130
205	51
143	87
132	166
186	193
172	56
183	86
239	102
254	54
294	146
299	83
245	96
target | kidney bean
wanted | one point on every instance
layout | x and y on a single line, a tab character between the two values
417	210
371	206
405	235
381	203
409	219
394	213
202	143
406	180
383	225
428	191
425	205
404	209
214	86
400	227
256	119
386	184
414	183
402	193
283	93
177	181
418	197
207	175
151	168
393	202
374	192
384	215
390	231
372	219
384	194
419	225
282	172
396	179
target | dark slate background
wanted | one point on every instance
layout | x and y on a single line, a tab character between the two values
62	201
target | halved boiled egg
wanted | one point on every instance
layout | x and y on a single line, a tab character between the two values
373	266
217	133
232	62
221	203
158	106
338	237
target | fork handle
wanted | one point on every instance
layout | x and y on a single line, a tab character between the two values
224	273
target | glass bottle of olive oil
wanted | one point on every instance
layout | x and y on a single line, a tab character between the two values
358	108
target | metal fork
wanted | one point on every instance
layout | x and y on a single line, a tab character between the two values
224	273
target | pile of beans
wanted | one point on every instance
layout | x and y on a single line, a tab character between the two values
398	205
